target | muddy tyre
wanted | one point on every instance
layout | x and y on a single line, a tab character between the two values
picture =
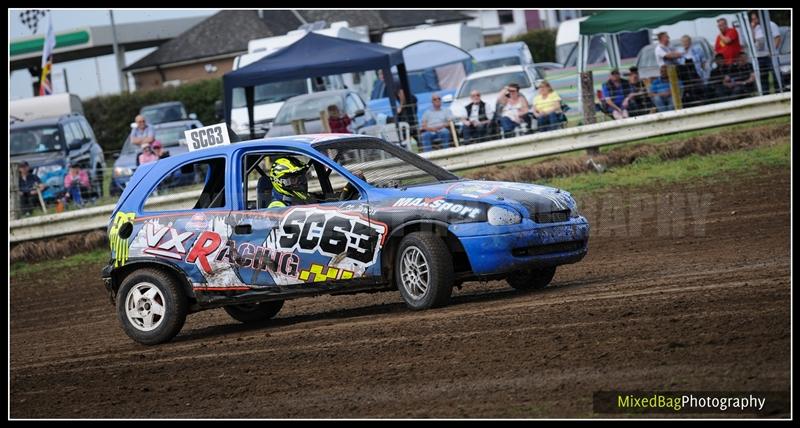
254	312
424	271
151	306
533	279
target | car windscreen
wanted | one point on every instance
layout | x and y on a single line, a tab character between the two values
306	109
494	83
497	62
162	114
384	165
170	136
274	92
36	140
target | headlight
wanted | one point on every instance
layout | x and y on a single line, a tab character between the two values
122	172
501	216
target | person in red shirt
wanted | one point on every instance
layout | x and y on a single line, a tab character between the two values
727	42
337	122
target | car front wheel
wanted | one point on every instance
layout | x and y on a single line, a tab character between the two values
151	306
532	279
254	312
424	271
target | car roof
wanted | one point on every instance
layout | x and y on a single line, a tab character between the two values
42	122
496	71
497	51
164	104
321	94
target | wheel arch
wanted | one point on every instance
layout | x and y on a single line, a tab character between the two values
439	228
118	275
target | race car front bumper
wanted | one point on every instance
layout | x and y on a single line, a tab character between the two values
494	250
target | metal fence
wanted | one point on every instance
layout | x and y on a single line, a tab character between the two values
475	155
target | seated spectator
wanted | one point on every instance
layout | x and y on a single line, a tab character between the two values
147	155
615	91
660	91
514	107
436	124
75	182
637	102
478	116
743	76
547	108
158	150
720	85
29	187
336	121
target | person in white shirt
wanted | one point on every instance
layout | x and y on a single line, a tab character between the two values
478	116
665	55
762	50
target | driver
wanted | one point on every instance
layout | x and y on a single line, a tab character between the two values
289	182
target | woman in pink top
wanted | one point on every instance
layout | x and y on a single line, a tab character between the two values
75	181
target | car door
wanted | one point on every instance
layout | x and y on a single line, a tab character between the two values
319	246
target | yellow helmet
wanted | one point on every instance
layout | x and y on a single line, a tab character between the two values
288	176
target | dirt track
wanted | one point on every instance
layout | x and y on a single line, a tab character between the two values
655	313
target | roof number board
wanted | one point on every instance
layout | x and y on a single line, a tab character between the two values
207	137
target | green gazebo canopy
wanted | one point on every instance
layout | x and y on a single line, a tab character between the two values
619	21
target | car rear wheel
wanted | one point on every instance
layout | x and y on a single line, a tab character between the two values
533	279
151	307
424	271
254	312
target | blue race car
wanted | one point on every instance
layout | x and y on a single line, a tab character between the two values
290	217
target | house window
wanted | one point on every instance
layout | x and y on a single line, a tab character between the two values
505	16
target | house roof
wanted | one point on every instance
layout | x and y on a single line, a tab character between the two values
228	32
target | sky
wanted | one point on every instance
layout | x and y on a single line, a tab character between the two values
84	78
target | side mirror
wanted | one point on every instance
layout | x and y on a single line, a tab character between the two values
219	111
359	113
76	143
115	155
192	116
447	98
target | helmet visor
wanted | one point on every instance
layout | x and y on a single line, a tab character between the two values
294	182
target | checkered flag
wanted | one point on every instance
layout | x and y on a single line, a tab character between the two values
31	18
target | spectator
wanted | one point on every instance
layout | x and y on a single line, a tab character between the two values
436	123
720	85
147	155
407	109
337	121
29	187
727	42
615	91
158	150
637	102
660	91
142	134
762	49
664	52
547	108
477	118
514	108
744	77
694	55
75	182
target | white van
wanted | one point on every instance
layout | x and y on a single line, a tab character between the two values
55	105
461	35
270	97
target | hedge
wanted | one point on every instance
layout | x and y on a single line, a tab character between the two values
111	115
542	44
